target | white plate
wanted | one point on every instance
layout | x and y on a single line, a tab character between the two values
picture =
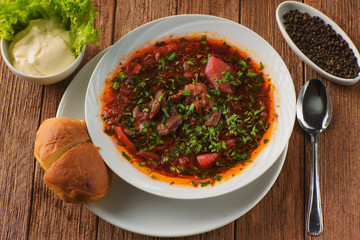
301	7
134	210
178	26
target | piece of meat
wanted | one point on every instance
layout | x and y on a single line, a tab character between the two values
205	161
264	115
163	49
214	119
150	59
121	137
177	97
197	90
199	104
184	161
198	96
194	46
230	143
188	74
148	155
170	125
215	69
189	71
150	158
167	48
155	104
234	105
140	117
127	131
136	68
139	114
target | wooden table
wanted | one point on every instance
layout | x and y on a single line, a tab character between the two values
29	210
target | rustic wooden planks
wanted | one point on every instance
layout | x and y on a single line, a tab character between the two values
20	102
280	206
339	144
29	210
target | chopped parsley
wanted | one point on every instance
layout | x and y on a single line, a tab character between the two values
192	117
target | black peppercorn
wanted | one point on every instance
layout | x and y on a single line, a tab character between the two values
321	44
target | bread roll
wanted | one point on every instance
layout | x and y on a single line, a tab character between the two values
80	175
56	136
74	168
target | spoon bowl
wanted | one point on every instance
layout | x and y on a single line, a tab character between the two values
314	107
314	110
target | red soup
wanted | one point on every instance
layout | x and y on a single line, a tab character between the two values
189	108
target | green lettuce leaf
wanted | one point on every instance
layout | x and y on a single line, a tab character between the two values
77	16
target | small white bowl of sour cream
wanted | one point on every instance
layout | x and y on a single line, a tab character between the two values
44	80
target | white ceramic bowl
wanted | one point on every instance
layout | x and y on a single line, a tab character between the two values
40	79
301	7
236	35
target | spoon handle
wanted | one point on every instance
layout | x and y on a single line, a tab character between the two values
314	221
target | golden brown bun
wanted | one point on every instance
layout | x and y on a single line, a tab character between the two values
74	168
80	175
56	136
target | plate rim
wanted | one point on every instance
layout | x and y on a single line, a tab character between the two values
155	188
93	207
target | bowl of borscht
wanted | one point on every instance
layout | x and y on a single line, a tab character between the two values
190	106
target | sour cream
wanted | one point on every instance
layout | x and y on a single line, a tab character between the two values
43	48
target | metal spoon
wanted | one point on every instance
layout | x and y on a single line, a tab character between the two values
314	111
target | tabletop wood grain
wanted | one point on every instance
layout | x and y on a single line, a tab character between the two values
29	210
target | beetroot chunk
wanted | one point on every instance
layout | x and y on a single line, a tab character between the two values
205	161
121	137
215	69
